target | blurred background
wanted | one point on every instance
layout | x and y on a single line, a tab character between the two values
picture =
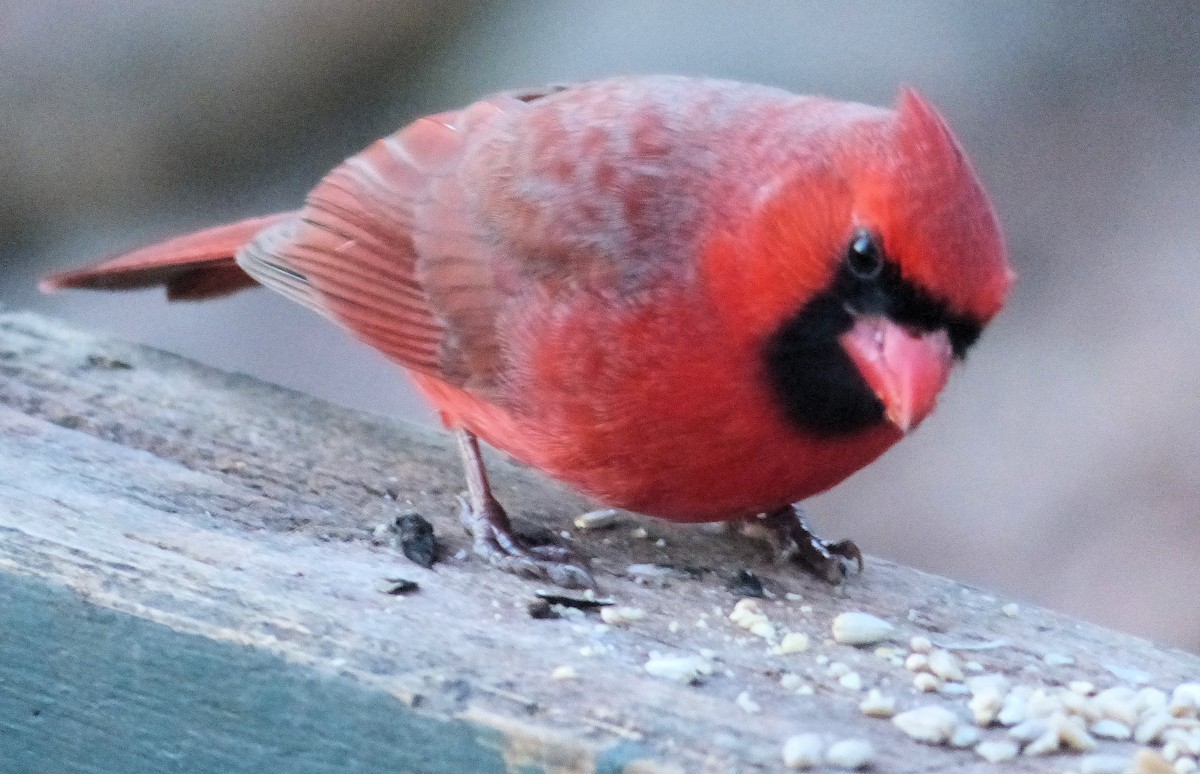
1064	464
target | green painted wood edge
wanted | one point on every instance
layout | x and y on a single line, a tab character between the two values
86	689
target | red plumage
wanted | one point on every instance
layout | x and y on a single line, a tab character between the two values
614	281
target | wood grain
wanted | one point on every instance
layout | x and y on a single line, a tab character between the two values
188	583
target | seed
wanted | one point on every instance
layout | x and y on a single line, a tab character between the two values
926	682
851	680
685	669
1107	728
945	665
1146	761
601	519
792	642
1012	610
564	673
858	628
997	752
931	724
920	644
1057	659
964	736
916	662
618	616
802	751
744	701
1185	700
850	754
876	705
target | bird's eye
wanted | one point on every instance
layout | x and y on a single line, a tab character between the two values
864	256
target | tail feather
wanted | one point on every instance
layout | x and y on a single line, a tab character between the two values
192	267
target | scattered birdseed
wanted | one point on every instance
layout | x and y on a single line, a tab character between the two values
673	627
1012	610
964	736
916	662
926	682
1107	728
1186	766
601	519
744	701
858	628
792	642
1058	659
945	665
640	533
1082	687
564	673
791	681
850	754
973	666
684	669
1146	761
876	705
920	644
748	615
792	596
932	724
802	751
620	616
1185	700
837	669
997	751
851	680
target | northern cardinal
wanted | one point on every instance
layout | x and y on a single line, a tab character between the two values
696	299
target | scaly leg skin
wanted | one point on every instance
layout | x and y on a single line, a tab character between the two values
493	535
787	531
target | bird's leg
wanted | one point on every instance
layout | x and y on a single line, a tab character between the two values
494	540
787	531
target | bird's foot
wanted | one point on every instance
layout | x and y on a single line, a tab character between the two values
787	531
495	541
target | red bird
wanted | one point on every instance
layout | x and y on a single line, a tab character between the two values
695	299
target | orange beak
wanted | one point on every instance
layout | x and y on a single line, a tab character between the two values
905	370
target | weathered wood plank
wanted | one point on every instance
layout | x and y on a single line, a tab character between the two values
187	583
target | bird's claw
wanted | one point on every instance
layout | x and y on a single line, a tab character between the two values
788	532
494	540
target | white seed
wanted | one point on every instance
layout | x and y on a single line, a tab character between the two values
601	519
954	689
1103	764
791	681
1151	699
1116	703
1012	610
792	642
684	669
1073	734
851	680
837	669
920	644
1107	728
618	616
1057	659
1186	766
850	754
744	701
802	751
945	665
673	627
931	724
1031	729
1042	705
1082	687
964	736
1146	761
876	705
1151	728
985	706
564	673
640	533
792	596
1013	711
973	666
927	683
764	629
997	751
858	628
1185	700
917	662
1045	744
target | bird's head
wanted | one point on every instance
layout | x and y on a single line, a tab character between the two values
866	269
